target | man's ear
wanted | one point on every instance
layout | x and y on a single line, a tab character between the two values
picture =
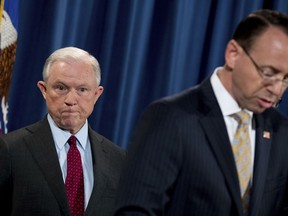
42	86
98	93
231	53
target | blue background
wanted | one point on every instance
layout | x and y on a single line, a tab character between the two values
147	49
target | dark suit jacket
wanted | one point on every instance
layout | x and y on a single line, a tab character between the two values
31	181
180	161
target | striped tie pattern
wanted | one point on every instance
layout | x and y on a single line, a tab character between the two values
242	154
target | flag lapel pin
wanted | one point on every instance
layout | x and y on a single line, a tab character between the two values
266	134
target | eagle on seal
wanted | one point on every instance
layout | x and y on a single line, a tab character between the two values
8	44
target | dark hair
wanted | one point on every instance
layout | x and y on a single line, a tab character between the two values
256	24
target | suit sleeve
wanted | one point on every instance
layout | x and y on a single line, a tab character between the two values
5	180
153	163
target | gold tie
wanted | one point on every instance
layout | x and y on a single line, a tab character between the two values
242	154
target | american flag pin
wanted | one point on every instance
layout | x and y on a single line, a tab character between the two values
266	134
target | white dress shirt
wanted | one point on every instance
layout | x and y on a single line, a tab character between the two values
228	107
83	144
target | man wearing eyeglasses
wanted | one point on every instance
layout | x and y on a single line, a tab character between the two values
220	148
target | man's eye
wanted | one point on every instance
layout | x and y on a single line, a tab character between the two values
285	80
268	72
60	88
83	91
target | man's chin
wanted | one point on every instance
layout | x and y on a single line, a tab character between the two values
69	125
258	109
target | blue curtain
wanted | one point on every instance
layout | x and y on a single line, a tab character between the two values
146	48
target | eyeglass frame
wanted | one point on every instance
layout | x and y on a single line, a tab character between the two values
270	79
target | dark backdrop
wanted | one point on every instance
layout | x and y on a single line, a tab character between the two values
146	48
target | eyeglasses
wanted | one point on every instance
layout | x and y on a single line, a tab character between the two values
267	74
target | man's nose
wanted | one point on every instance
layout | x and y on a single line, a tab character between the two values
71	98
277	87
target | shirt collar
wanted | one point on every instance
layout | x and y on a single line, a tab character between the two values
227	103
61	136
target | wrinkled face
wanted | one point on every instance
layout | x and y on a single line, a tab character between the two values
70	93
270	54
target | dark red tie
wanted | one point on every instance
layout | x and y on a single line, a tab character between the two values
74	181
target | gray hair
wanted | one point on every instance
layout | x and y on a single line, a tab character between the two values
74	54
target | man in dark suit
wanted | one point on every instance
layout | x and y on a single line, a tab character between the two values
35	161
181	158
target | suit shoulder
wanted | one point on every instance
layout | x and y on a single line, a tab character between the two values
107	144
181	96
15	135
180	104
113	146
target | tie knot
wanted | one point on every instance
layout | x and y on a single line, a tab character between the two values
72	140
242	117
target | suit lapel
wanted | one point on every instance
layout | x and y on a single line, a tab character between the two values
41	146
263	143
215	129
100	156
214	126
